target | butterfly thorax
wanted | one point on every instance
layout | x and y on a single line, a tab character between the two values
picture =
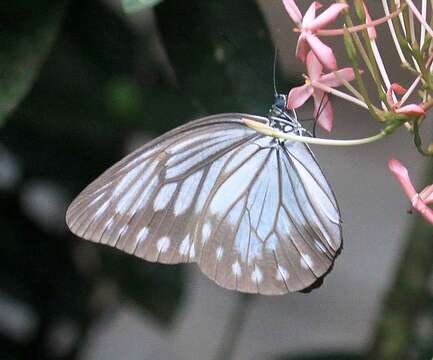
282	118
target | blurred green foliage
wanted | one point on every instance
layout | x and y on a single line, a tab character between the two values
130	6
102	81
27	32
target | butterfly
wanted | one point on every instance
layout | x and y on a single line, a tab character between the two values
254	212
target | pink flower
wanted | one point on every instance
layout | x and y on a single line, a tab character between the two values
410	110
309	25
314	86
419	201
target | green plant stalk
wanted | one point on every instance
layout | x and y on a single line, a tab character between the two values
425	73
402	40
352	55
407	23
366	57
370	55
417	139
352	89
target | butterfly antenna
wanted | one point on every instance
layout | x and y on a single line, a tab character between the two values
322	107
274	74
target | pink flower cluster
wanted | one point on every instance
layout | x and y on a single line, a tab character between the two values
323	76
317	55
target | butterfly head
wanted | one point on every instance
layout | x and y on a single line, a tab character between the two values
280	102
283	118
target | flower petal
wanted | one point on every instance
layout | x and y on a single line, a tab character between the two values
323	111
298	96
423	209
314	67
411	109
397	88
293	11
324	53
302	48
427	194
402	175
335	79
326	17
310	14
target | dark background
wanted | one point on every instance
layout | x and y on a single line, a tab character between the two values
81	84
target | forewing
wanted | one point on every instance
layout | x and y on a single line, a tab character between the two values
148	203
272	224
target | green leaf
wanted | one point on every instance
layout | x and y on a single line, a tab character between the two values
27	32
131	6
93	63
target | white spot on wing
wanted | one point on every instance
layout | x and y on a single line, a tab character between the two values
142	234
123	230
281	274
236	268
184	246
192	252
163	244
219	253
206	231
257	275
306	262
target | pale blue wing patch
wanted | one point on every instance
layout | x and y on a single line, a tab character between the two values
266	234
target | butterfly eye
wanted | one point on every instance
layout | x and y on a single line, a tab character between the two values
280	102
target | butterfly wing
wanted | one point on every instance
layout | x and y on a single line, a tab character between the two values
272	224
147	204
257	216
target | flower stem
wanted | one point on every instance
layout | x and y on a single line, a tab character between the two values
420	17
356	28
393	34
339	94
269	131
